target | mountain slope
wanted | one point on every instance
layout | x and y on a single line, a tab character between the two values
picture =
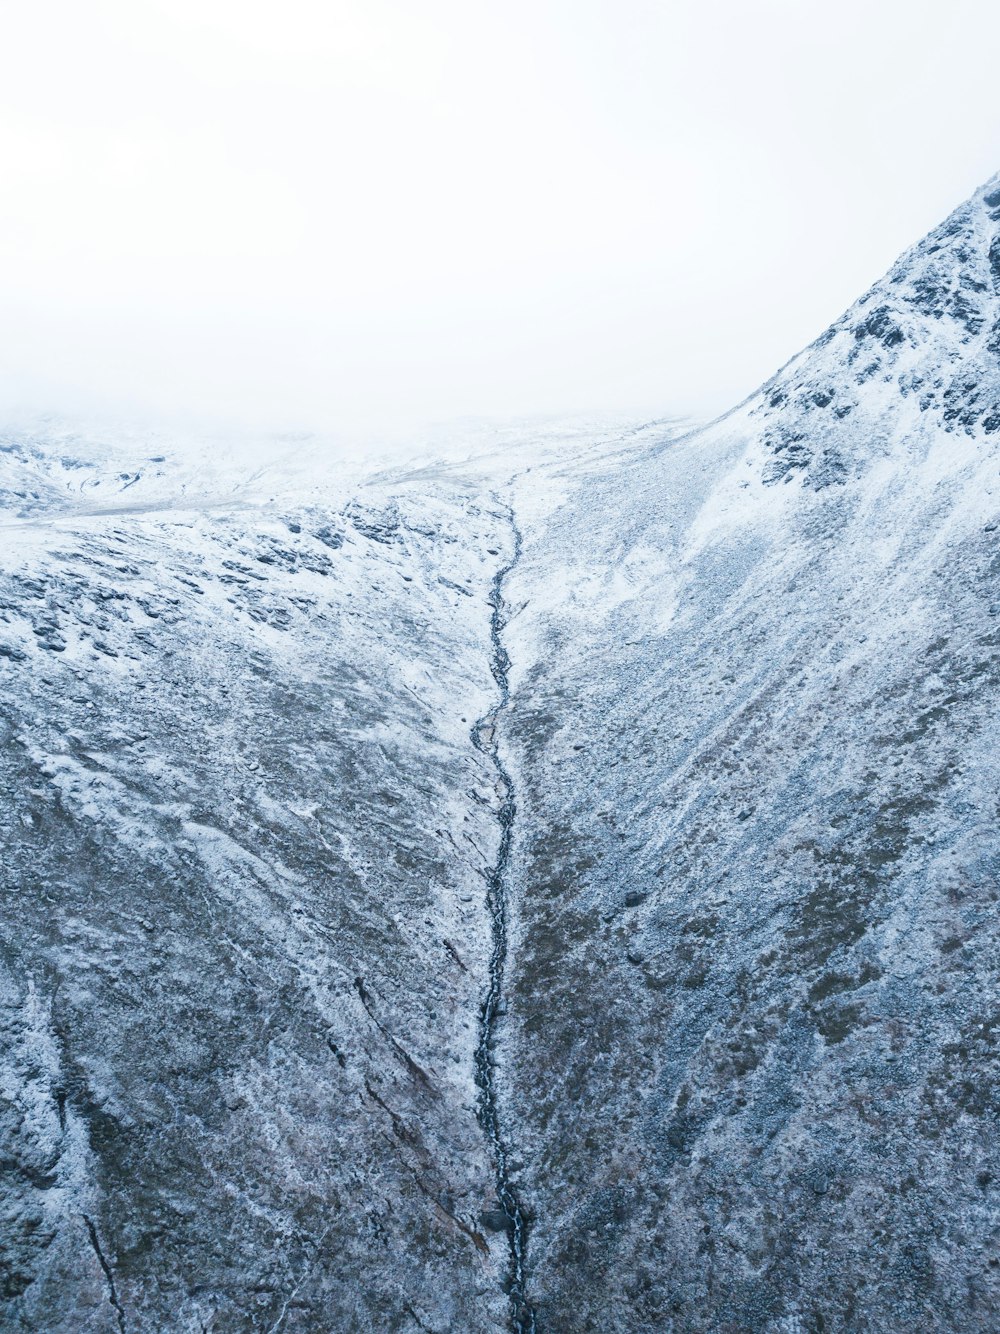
244	938
757	877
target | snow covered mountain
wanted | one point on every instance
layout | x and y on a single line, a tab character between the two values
549	886
756	871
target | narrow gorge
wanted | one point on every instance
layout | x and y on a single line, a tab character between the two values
486	738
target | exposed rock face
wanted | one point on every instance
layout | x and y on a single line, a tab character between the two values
711	757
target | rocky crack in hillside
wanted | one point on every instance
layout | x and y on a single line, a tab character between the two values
485	738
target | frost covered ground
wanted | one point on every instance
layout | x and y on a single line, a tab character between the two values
246	833
283	731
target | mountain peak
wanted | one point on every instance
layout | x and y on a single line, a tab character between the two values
927	333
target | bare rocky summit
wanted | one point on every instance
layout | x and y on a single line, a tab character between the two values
553	886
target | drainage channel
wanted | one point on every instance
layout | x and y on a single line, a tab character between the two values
484	736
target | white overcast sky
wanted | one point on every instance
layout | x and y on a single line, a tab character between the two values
354	213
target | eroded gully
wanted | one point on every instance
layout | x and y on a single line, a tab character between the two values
485	738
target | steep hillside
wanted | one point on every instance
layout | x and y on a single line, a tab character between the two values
244	937
753	1013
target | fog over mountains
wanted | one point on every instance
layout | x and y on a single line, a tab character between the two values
550	884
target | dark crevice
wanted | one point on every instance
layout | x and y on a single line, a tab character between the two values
484	736
95	1241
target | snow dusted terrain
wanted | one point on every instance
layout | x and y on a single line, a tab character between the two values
547	884
754	703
